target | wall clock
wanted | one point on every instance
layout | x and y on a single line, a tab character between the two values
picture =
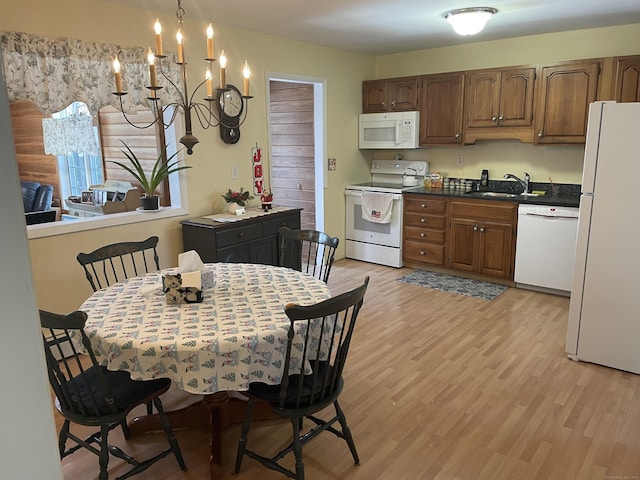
230	107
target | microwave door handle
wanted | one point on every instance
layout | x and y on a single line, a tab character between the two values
398	130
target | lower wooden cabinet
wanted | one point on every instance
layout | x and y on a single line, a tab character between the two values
254	240
424	229
475	236
482	237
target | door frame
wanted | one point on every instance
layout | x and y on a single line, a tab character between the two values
320	127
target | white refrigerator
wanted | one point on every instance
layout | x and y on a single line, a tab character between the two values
604	309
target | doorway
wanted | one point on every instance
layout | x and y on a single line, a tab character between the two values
297	146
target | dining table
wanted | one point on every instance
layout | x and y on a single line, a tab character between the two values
237	335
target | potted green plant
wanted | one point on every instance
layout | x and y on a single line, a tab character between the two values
149	182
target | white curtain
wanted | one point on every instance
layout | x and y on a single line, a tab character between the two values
53	73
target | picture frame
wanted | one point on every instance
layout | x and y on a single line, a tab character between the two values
87	196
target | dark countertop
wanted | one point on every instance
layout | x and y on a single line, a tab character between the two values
568	195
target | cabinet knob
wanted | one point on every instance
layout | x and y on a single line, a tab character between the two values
475	228
393	103
423	234
424	205
422	253
481	229
540	135
457	135
241	234
298	186
423	220
494	118
500	117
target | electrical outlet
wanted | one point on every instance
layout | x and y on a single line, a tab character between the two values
460	160
234	171
332	164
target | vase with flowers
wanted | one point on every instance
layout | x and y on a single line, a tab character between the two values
236	199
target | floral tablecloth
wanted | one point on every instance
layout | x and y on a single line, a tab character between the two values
237	335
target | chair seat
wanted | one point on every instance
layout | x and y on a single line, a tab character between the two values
295	399
125	391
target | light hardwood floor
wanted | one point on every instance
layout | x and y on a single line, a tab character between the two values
447	387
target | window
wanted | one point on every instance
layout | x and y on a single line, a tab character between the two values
81	166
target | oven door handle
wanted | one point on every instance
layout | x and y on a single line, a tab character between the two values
358	193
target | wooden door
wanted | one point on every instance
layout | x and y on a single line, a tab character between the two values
463	247
293	148
516	97
374	96
440	103
483	99
564	94
627	82
495	249
403	94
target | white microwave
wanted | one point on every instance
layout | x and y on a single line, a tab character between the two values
389	130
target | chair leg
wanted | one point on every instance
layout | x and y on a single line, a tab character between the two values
103	458
242	444
149	408
62	437
173	442
125	429
346	431
297	449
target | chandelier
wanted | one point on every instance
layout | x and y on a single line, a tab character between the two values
213	113
469	21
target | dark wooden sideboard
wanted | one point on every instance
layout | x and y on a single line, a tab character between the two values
250	240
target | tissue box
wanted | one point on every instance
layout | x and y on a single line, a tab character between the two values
175	293
207	279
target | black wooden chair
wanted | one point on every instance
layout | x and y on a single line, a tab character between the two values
301	395
307	251
119	261
89	394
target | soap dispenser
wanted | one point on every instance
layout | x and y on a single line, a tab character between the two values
484	179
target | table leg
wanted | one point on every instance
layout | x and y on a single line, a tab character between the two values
217	410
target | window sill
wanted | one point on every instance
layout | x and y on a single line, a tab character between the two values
93	223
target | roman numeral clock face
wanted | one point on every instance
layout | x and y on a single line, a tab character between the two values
230	106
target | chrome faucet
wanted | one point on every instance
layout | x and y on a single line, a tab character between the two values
524	183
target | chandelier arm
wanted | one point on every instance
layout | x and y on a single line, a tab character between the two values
206	117
156	117
183	99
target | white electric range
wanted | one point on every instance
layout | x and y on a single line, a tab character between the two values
375	242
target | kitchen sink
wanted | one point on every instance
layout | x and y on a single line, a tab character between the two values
492	194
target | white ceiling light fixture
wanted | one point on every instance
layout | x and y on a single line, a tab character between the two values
469	21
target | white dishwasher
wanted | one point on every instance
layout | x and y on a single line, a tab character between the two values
545	247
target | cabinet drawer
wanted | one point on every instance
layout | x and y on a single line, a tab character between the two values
485	209
271	227
424	252
425	221
425	235
423	204
238	235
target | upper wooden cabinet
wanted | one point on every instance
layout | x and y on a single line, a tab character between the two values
564	92
440	103
627	79
499	104
390	95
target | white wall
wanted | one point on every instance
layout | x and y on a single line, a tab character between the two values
28	442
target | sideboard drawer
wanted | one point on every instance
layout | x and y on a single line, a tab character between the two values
240	234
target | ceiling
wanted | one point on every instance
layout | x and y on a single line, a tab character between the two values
380	27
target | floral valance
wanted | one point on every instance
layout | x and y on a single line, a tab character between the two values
53	73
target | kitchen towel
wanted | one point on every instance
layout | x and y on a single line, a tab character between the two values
377	207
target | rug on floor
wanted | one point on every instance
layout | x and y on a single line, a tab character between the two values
451	284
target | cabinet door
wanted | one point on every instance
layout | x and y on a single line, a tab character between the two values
627	82
264	251
403	94
516	97
495	249
463	249
563	97
440	103
483	99
374	96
